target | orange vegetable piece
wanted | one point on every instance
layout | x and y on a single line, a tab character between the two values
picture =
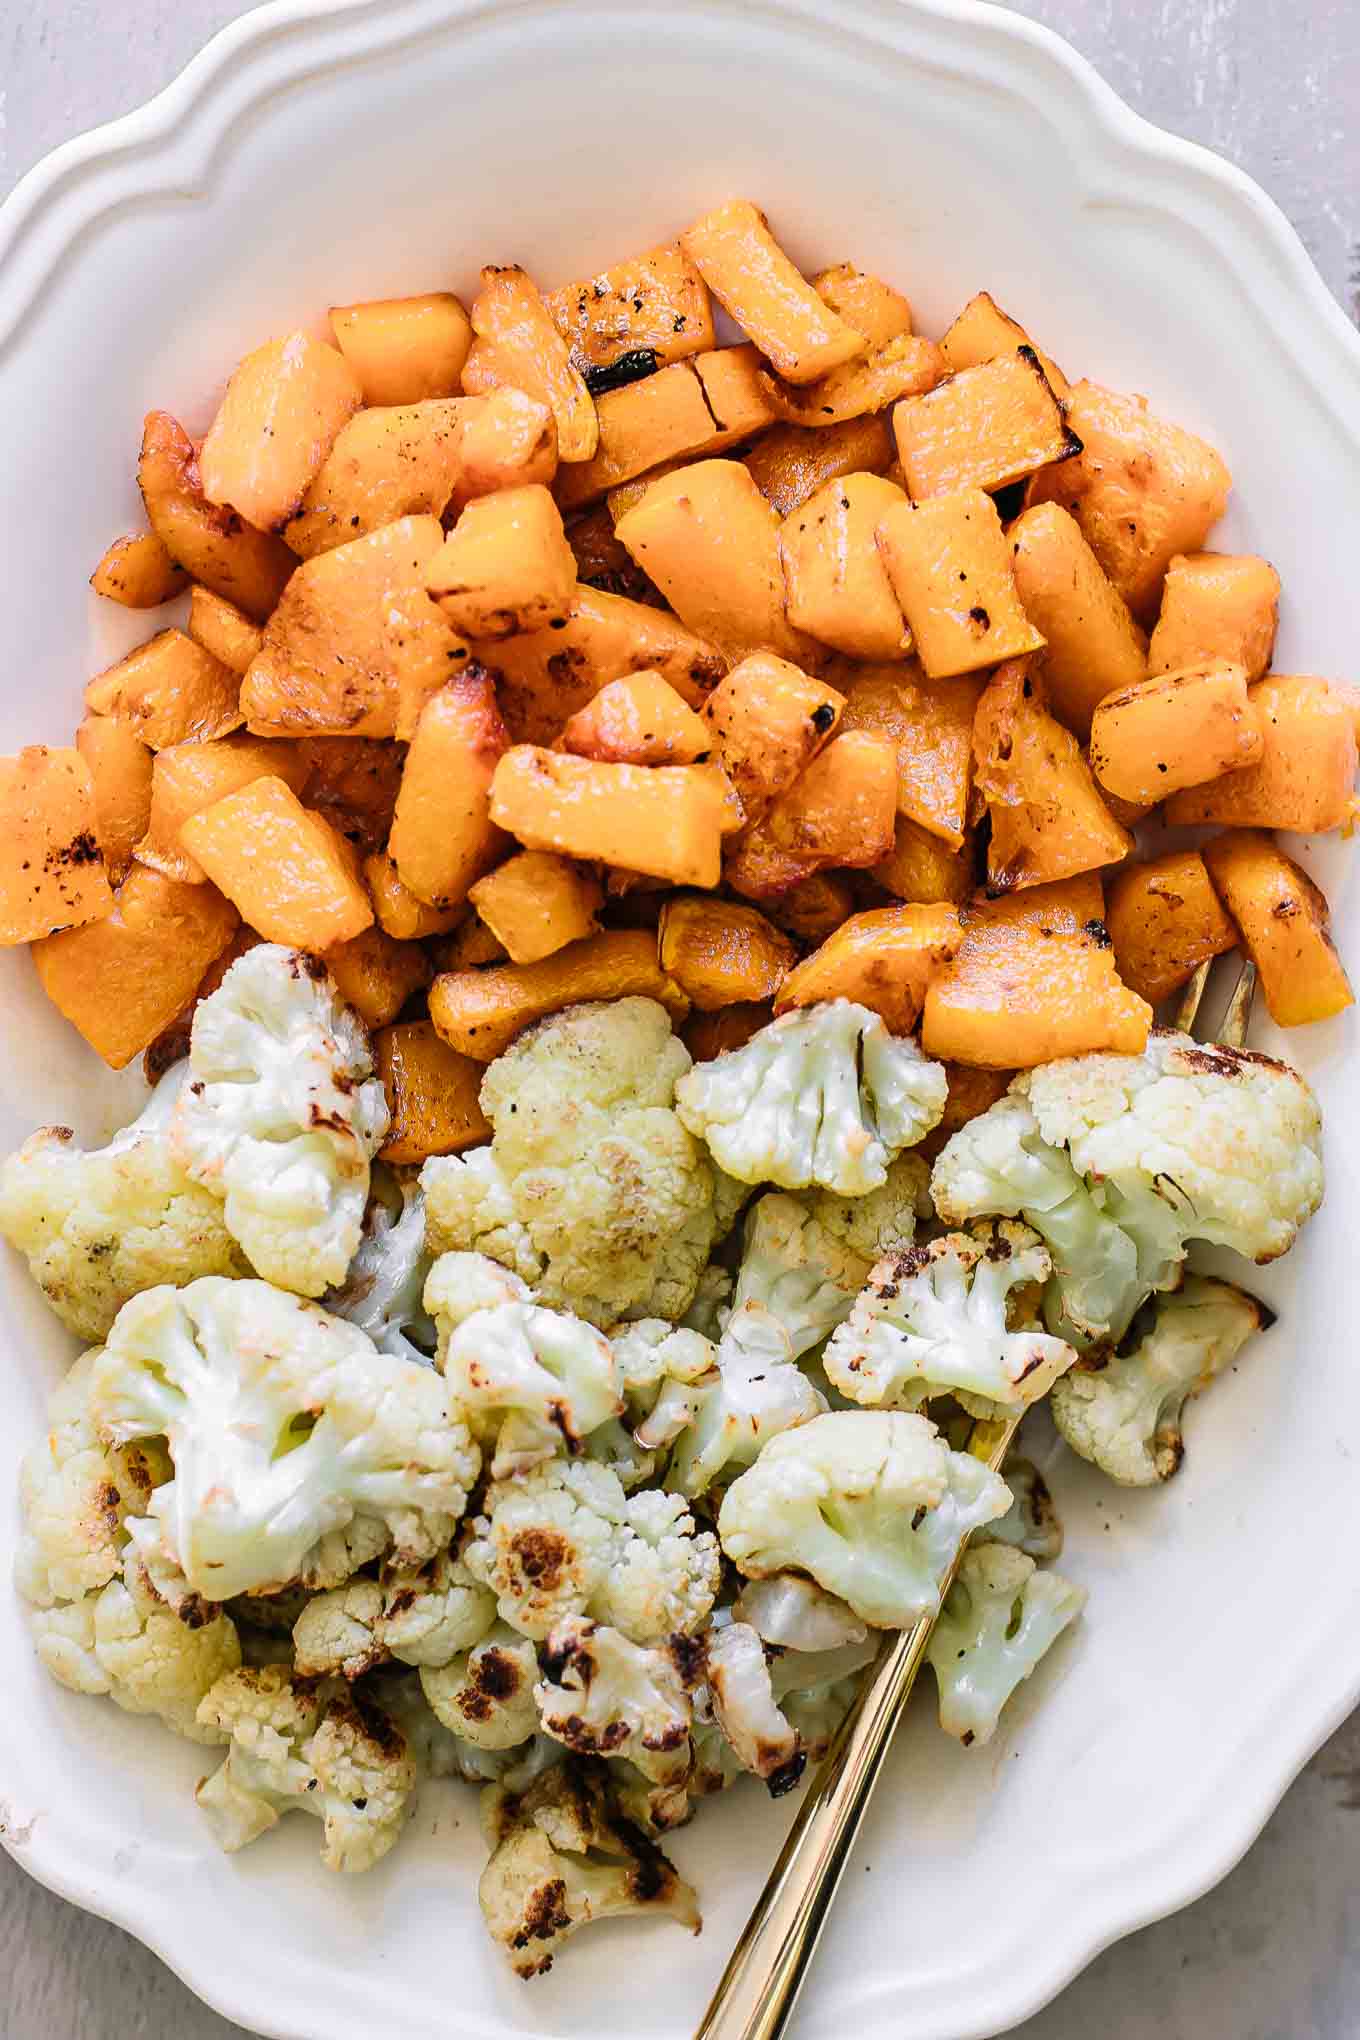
471	945
758	286
506	565
841	811
120	766
769	719
399	913
652	304
708	1035
507	439
171	1044
789	463
443	837
1094	647
535	904
883	959
982	331
353	782
931	724
600	559
213	544
1165	919
432	1093
138	572
51	871
972	1091
170	691
291	877
377	975
189	777
1176	729
836	585
397	460
404	349
814	906
983	427
638	720
517	343
923	868
1304	778
1283	918
223	629
283	406
1048	819
904	367
877	312
686	412
665	820
721	954
479	1012
121	980
1034	980
1216	606
950	566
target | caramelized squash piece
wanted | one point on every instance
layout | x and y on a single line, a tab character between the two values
687	411
812	908
1165	920
721	954
120	766
1304	778
1283	919
877	312
222	629
634	317
836	585
51	871
931	724
377	975
924	869
709	1035
215	545
950	567
507	440
1174	730
982	331
1034	980
982	428
283	406
138	572
169	691
972	1091
505	567
759	287
479	1012
285	870
354	783
1048	820
638	720
1094	647
122	979
518	344
768	720
535	904
883	959
404	350
399	460
443	837
433	1094
904	367
840	811
399	913
187	778
790	463
665	820
1216	606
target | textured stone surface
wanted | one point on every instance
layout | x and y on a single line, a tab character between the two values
1272	1953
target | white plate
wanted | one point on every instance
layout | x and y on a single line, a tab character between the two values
318	154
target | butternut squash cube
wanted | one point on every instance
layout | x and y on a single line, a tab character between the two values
600	559
813	907
840	811
638	315
768	719
331	661
213	544
1165	920
397	460
1048	819
187	778
354	783
931	724
404	350
505	567
982	331
789	463
169	691
883	959
377	975
691	409
665	820
518	344
1094	647
1034	980
138	572
638	720
904	367
1283	921
283	406
469	947
836	585
51	871
433	1094
222	629
1142	490
506	441
120	766
443	837
399	913
709	1035
1174	730
536	903
1304	778
759	287
285	870
1216	606
122	979
971	1092
950	567
877	312
924	869
479	1012
721	954
709	540
982	428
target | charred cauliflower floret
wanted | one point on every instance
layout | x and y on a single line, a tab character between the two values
603	1695
486	1694
999	1618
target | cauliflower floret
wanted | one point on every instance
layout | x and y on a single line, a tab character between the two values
1032	1523
934	1321
708	1310
822	1095
432	1612
1122	1411
383	1291
795	1271
285	1425
602	1695
873	1504
486	1694
815	1690
566	1540
560	1861
725	1417
795	1614
97	1227
337	1632
533	1378
72	1539
282	1116
882	1222
343	1760
999	1618
744	1707
593	1190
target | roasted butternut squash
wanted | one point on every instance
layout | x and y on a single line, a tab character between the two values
708	1035
138	572
903	367
1047	818
883	959
536	903
397	460
353	782
189	777
284	869
971	1092
223	629
982	428
1174	730
1216	606
877	312
836	585
925	869
171	1044
120	766
443	838
479	1012
721	954
768	719
1283	919
215	545
1165	920
759	287
169	691
638	720
930	722
505	567
950	567
51	870
634	317
665	820
790	463
518	344
982	331
506	440
399	913
601	561
692	409
378	975
283	406
840	811
813	907
1093	647
404	350
1304	778
432	1094
469	947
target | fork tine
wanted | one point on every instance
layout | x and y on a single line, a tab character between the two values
1233	1032
1187	1012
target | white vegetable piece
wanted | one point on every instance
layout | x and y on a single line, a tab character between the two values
933	1321
794	1271
822	1095
1032	1523
999	1618
384	1289
282	1116
725	1418
286	1426
603	1695
486	1694
744	1707
873	1504
795	1614
1123	1411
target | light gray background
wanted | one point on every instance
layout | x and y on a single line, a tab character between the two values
1274	1952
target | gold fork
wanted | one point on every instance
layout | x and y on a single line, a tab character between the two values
755	1998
